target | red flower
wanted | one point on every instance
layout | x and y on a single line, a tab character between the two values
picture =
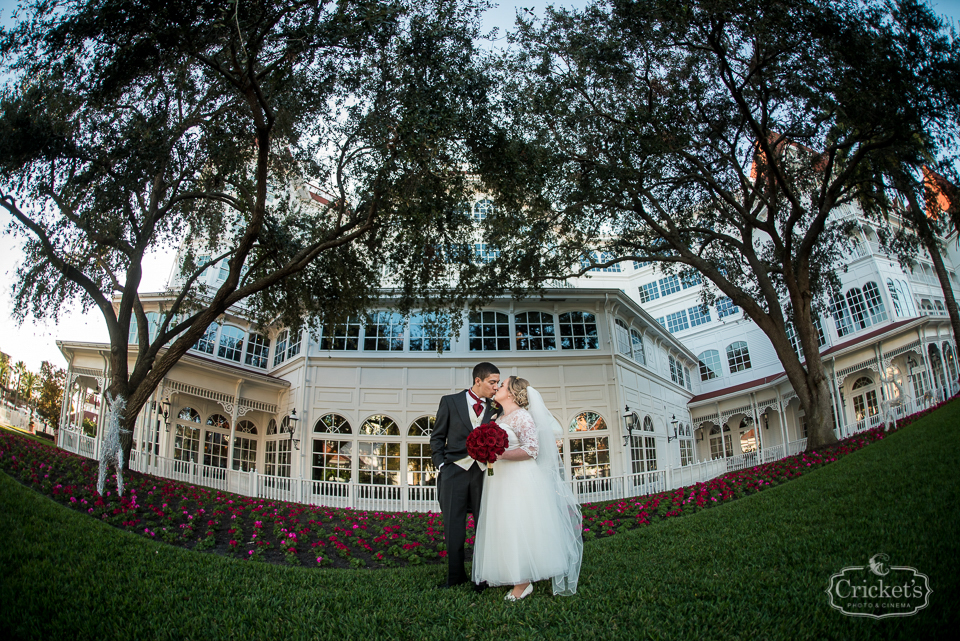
487	442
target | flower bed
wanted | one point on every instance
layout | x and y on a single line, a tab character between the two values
278	532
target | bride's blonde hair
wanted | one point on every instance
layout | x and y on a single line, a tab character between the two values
518	389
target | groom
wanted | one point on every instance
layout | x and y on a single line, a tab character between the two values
460	478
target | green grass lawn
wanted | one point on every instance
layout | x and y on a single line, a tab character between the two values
755	568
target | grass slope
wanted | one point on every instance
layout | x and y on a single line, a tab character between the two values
755	568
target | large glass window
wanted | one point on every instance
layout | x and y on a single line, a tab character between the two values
231	343
725	307
677	321
489	332
589	457
686	452
698	315
669	285
643	454
720	443
280	351
379	463
420	470
284	457
383	332
897	309
332	456
690	279
186	441
636	340
215	449
208	341
258	350
858	309
841	315
535	331
587	422
738	356
485	252
676	370
623	337
709	364
428	333
871	293
604	257
649	292
578	330
341	336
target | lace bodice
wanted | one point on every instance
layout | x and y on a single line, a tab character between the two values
521	431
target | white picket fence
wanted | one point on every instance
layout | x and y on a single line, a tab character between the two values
14	417
409	498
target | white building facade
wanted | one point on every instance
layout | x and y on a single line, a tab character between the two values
653	389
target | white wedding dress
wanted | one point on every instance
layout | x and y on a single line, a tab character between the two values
523	534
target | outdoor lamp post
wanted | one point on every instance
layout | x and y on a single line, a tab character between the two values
673	422
630	420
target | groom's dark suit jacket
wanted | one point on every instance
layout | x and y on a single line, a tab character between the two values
448	441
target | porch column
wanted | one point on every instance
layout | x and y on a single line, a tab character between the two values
782	417
65	401
756	426
839	409
943	365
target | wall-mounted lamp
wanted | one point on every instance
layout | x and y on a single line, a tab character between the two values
165	411
630	420
673	422
292	421
700	440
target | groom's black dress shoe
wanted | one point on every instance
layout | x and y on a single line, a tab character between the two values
446	584
480	587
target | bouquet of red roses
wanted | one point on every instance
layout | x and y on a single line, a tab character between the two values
486	443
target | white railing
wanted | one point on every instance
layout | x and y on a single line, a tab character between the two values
404	498
697	473
741	461
773	453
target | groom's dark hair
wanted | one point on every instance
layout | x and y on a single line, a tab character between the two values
483	370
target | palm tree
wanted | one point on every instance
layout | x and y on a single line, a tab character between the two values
30	385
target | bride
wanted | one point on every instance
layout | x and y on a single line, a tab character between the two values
530	527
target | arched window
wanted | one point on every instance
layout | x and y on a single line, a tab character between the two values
647	424
623	337
423	426
489	332
709	364
379	425
231	343
280	351
535	331
219	420
738	356
215	444
636	340
910	306
861	382
578	330
333	424
189	414
603	257
420	470
875	308
676	371
951	360
272	427
936	303
245	448
687	381
587	422
258	351
482	209
208	341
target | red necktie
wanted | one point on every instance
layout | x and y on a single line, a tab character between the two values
478	406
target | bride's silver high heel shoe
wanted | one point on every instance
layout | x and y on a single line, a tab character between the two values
527	591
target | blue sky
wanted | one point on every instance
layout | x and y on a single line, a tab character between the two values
34	342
